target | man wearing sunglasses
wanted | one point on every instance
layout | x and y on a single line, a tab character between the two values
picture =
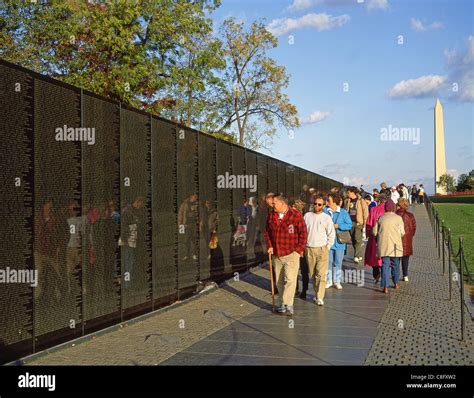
321	236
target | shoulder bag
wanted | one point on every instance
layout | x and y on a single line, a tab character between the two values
343	236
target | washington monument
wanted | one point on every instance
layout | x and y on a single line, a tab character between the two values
440	159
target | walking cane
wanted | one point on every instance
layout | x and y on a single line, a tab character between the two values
271	282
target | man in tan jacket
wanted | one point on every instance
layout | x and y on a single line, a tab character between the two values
389	230
359	212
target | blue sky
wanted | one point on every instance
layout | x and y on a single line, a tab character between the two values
391	81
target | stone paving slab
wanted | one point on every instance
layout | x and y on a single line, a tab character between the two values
161	335
340	333
349	317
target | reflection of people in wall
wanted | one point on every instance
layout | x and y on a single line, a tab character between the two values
114	213
102	239
129	235
244	212
240	235
208	223
187	224
266	206
252	221
73	250
45	244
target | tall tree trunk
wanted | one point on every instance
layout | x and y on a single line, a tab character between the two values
239	124
190	106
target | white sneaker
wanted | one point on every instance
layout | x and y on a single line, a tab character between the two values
281	309
328	285
405	279
319	302
338	286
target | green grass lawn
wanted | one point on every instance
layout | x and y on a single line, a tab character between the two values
460	218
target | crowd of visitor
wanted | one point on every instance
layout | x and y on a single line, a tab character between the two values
310	234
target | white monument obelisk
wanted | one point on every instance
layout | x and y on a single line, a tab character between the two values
440	159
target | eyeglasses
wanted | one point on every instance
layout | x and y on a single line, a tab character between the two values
319	204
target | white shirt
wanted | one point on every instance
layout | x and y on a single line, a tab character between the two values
405	192
320	230
338	210
395	196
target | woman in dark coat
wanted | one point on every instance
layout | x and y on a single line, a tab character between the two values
407	239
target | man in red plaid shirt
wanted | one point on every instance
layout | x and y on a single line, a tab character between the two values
285	236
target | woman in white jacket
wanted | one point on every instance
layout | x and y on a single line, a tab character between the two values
389	230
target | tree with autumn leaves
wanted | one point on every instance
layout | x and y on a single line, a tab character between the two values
162	56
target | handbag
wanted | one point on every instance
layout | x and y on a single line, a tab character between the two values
343	236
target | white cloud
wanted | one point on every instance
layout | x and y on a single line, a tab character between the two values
299	5
424	86
335	168
320	22
457	84
453	172
356	181
315	117
419	26
460	65
377	4
437	25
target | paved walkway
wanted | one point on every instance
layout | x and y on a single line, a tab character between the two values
233	325
421	326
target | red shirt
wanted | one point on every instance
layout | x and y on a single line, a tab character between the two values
287	235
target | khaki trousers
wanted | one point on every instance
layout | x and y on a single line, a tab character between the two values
318	260
286	274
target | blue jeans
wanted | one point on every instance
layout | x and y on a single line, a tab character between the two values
335	260
388	263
